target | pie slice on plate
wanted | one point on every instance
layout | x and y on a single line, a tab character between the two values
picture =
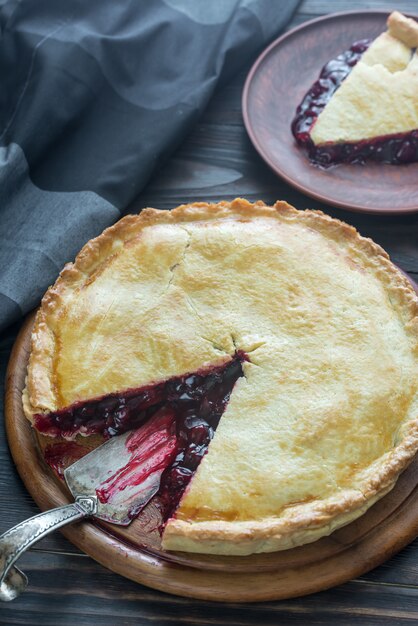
365	104
277	346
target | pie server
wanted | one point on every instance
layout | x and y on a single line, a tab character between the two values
83	478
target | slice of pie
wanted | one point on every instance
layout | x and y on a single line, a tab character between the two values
278	348
365	104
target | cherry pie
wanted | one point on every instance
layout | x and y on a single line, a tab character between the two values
364	106
263	357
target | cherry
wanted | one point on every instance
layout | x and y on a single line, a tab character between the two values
193	455
107	404
407	151
177	478
121	417
197	430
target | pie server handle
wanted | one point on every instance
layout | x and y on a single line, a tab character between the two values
19	538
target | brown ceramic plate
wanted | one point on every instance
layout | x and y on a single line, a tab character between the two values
275	86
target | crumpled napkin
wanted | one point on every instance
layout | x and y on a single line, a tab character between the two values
94	95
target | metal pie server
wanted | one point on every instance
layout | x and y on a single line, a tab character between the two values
99	467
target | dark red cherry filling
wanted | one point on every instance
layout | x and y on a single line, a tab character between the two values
152	448
318	96
60	455
109	415
394	149
172	423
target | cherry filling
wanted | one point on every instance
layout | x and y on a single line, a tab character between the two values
394	149
172	423
60	455
152	448
318	96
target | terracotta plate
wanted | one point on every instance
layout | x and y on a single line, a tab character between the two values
135	551
275	86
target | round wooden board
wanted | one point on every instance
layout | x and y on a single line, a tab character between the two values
274	88
135	552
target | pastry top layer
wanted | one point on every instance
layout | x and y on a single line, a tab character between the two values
326	416
379	96
403	28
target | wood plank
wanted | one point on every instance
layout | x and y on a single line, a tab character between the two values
65	590
401	569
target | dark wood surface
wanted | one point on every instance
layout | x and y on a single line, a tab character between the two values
216	161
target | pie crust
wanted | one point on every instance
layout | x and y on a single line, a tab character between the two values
326	415
364	105
379	96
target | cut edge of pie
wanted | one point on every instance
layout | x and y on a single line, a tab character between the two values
298	523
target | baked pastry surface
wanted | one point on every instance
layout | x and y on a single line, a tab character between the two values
326	415
364	106
380	95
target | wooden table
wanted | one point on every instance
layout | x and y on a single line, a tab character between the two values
66	587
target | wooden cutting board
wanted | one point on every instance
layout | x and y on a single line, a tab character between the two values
135	552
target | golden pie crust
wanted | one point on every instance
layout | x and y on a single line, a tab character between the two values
379	96
326	415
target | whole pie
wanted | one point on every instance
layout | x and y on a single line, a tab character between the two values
269	356
365	103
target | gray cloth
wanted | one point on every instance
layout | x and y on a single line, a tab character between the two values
94	95
33	246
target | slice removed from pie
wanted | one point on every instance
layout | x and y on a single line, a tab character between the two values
365	104
277	348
